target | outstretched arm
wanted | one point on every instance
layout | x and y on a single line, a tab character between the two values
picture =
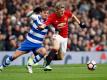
76	18
31	13
82	25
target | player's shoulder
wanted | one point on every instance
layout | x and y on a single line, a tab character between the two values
36	16
68	11
52	15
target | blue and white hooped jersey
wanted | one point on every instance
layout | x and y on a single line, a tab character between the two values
36	35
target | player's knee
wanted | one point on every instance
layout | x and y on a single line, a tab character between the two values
55	49
43	51
60	56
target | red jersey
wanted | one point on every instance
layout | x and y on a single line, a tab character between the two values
54	20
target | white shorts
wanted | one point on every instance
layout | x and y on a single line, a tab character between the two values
62	42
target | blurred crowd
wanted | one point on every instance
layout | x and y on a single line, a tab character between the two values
14	24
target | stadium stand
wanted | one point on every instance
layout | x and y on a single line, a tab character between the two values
14	24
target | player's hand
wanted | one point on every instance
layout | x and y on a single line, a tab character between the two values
82	25
41	27
60	25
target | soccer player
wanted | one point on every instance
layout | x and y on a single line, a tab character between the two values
47	44
34	38
59	19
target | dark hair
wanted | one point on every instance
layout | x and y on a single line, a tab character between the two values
37	10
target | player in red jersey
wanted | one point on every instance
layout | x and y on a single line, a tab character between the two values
59	20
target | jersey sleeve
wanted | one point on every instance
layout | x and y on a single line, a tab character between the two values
49	20
35	18
69	13
38	20
31	15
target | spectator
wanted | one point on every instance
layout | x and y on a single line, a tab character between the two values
2	37
14	24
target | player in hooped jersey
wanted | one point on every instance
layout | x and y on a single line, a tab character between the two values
35	36
59	19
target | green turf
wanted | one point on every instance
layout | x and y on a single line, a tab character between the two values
59	72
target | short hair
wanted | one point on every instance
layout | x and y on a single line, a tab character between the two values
60	5
39	9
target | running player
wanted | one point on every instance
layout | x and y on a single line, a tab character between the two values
59	19
34	39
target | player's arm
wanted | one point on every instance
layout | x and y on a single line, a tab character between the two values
31	13
47	22
82	25
76	18
28	9
69	13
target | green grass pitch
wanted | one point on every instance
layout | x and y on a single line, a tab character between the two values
59	72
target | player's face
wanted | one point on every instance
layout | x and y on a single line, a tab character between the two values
60	11
45	14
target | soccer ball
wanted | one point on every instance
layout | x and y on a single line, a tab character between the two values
91	65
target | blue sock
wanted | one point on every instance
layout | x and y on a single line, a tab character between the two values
38	58
7	61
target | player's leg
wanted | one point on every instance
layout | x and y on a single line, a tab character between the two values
9	59
59	44
53	52
30	59
62	50
24	48
47	47
41	53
